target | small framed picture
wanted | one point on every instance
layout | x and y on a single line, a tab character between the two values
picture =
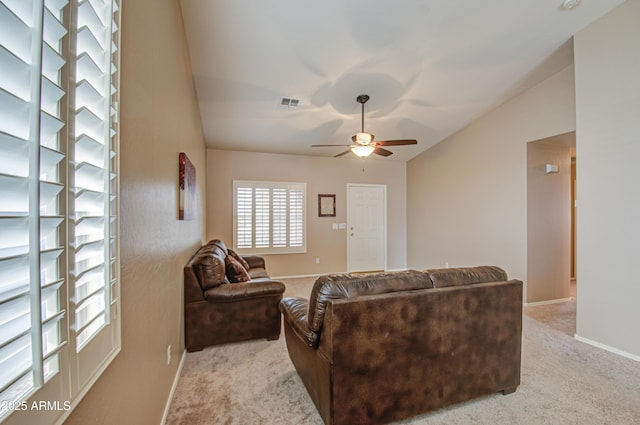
326	205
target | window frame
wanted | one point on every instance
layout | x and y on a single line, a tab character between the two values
297	188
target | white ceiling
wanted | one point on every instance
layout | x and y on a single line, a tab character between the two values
430	66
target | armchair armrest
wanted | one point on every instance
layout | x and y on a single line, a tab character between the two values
294	311
255	261
229	292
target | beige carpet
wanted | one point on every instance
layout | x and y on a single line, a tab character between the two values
563	382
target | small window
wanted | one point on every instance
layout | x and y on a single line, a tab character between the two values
269	217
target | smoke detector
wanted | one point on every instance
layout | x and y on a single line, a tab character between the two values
288	102
570	4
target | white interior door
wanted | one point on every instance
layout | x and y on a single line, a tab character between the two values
367	227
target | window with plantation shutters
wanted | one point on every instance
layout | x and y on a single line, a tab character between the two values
59	283
269	217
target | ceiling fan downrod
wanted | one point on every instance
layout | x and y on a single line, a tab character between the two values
362	99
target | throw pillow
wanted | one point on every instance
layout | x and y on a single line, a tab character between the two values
239	259
236	273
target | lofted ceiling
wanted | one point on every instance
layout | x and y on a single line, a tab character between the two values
430	66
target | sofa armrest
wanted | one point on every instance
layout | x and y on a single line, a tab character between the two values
230	292
255	261
295	311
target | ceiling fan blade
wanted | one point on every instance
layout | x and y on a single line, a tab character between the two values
382	152
343	153
397	142
323	146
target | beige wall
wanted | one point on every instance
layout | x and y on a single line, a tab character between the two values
607	61
322	175
159	119
549	219
466	196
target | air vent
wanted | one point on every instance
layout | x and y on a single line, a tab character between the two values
288	102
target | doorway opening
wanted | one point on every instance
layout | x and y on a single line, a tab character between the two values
551	232
551	214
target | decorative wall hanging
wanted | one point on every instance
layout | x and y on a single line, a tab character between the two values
187	210
326	205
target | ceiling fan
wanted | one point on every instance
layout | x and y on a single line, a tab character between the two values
363	144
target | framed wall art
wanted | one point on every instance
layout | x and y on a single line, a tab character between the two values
187	183
326	205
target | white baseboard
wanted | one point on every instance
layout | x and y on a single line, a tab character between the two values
556	301
607	348
301	276
173	388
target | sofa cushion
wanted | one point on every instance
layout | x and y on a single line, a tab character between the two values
442	278
235	270
239	258
209	269
337	286
245	290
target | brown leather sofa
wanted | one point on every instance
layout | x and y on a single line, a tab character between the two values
218	311
372	349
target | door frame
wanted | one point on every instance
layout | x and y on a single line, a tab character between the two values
384	221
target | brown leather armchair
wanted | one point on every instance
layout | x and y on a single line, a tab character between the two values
373	349
217	311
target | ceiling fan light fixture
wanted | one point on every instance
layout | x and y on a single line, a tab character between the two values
363	151
363	138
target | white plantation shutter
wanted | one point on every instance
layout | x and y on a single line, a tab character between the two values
93	183
296	217
279	231
244	217
262	211
31	195
58	204
269	217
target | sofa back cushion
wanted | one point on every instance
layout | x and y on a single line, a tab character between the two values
337	286
209	267
442	278
218	243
